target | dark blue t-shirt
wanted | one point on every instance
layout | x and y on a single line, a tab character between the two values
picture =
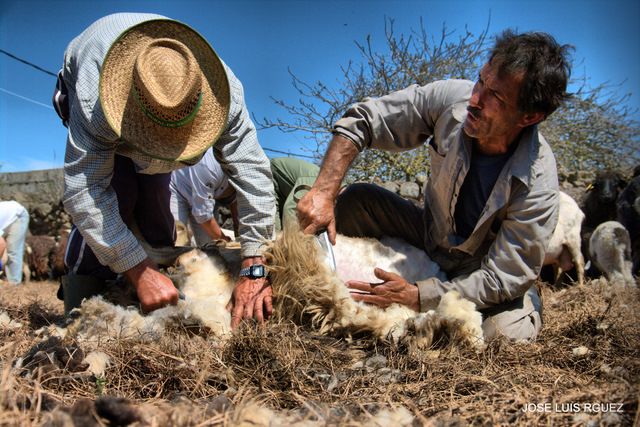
476	188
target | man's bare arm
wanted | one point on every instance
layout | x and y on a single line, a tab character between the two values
213	230
315	209
154	289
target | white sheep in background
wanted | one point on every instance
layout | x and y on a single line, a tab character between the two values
563	251
610	251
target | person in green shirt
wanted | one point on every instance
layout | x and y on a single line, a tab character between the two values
206	185
292	178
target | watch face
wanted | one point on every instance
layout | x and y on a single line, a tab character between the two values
257	271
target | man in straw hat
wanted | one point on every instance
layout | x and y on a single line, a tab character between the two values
143	95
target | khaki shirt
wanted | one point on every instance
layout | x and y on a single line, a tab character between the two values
503	256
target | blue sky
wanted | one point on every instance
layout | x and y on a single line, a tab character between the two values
260	40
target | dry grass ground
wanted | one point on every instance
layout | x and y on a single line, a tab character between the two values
583	370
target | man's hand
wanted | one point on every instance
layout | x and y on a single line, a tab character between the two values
315	213
3	245
252	298
154	289
315	209
214	231
393	289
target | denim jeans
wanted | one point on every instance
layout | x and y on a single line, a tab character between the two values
15	235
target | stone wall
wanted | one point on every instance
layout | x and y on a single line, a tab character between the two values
41	193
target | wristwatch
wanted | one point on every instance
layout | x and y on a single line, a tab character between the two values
255	271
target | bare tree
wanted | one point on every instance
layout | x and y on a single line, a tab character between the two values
595	129
591	131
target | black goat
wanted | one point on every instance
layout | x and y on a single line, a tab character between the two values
600	204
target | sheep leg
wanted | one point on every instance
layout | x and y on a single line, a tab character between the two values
578	261
563	264
557	276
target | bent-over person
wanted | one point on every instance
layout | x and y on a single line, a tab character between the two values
143	95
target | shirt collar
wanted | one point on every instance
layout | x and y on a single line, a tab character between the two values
524	156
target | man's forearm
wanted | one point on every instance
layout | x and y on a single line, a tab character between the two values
339	156
212	228
316	208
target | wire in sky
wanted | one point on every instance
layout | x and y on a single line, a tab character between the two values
51	108
24	61
26	99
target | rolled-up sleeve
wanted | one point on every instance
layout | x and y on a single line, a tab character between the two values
249	172
401	120
514	259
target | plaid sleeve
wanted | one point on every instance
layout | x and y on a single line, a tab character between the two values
90	151
247	167
92	203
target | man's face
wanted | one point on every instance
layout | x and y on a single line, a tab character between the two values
493	116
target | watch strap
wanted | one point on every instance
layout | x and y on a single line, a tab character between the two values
255	271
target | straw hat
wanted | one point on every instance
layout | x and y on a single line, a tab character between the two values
164	90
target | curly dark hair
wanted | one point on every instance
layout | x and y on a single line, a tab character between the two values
545	63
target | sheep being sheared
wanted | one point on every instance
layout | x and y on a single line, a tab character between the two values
305	288
563	251
610	251
206	287
356	258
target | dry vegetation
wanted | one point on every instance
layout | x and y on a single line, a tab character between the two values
285	374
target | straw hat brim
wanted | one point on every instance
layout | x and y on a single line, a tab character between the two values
129	121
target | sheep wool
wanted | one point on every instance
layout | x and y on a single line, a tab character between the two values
306	289
610	251
7	323
206	287
98	362
563	251
97	319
